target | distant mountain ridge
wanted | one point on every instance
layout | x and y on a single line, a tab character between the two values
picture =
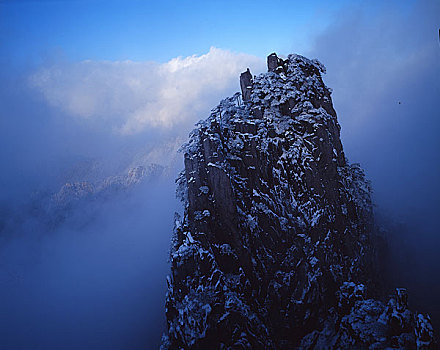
51	209
277	247
73	191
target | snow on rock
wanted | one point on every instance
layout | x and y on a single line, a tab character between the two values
275	249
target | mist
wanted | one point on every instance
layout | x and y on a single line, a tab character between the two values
385	75
93	275
96	279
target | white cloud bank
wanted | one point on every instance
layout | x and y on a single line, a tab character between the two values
129	97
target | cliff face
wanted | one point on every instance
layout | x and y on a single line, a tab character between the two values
275	249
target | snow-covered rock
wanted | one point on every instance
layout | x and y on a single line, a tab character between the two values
276	247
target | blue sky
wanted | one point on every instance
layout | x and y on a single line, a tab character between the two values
31	31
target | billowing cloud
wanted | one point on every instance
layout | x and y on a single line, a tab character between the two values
131	96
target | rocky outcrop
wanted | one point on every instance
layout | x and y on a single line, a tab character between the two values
275	64
246	85
276	247
360	322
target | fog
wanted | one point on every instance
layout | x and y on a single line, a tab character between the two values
92	283
97	279
385	75
94	275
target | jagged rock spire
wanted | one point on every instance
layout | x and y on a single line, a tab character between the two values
276	64
275	249
272	62
246	84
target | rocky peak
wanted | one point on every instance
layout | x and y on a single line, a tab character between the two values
276	64
246	85
275	249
